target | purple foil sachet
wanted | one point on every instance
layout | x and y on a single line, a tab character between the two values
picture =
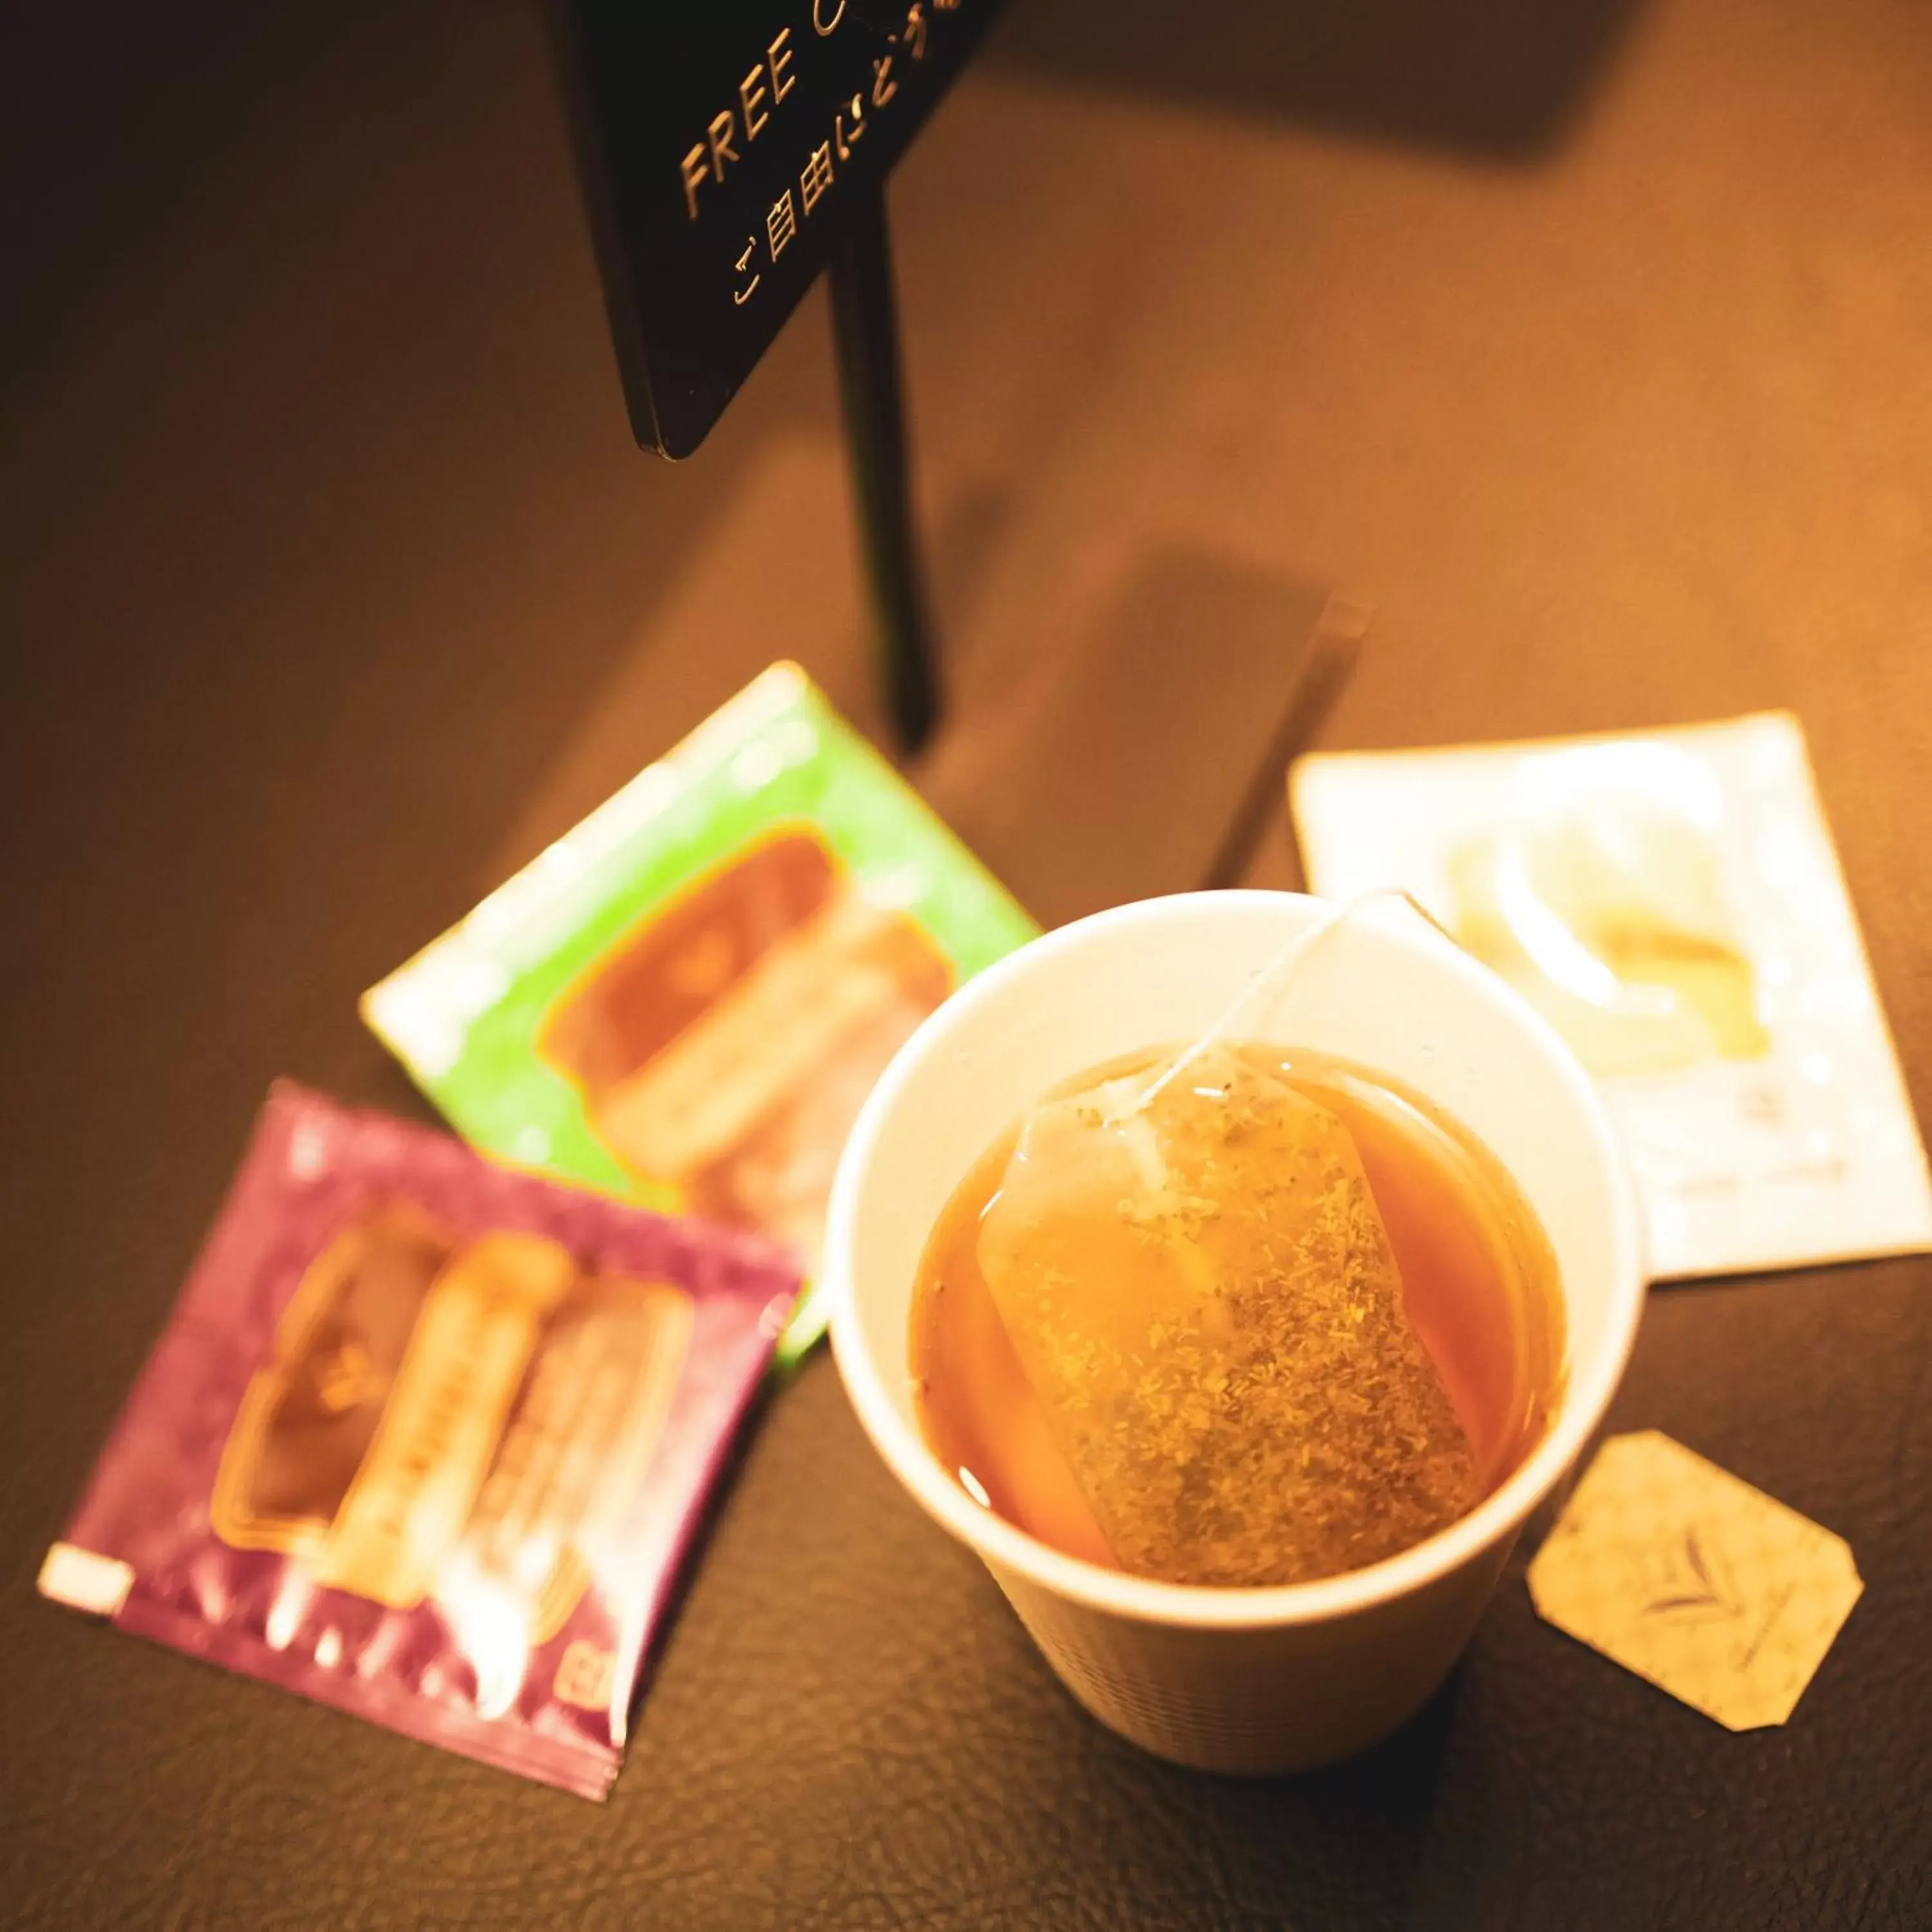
425	1439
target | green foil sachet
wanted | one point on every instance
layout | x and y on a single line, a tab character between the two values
686	1000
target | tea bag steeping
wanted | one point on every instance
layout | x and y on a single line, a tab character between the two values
1192	1268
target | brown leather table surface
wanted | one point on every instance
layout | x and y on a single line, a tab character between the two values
1597	354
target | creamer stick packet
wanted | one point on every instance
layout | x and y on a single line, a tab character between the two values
686	999
425	1439
1671	901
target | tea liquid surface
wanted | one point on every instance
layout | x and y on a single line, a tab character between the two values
1479	1284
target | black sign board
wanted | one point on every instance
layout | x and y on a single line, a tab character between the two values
725	145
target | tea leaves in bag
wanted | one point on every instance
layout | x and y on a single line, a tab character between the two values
1192	1269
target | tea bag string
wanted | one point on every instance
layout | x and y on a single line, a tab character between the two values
1259	995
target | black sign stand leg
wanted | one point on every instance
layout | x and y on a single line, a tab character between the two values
866	333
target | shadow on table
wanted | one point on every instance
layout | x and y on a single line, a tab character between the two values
1348	1846
1144	753
1508	78
108	108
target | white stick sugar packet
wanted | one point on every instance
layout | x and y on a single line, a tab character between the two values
1672	901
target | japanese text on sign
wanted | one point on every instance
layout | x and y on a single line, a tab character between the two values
726	151
752	111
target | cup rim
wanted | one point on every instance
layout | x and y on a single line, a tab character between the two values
1586	1395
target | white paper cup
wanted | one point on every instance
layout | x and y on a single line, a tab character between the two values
1235	1680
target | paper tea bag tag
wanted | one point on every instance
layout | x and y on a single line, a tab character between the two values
1690	1578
